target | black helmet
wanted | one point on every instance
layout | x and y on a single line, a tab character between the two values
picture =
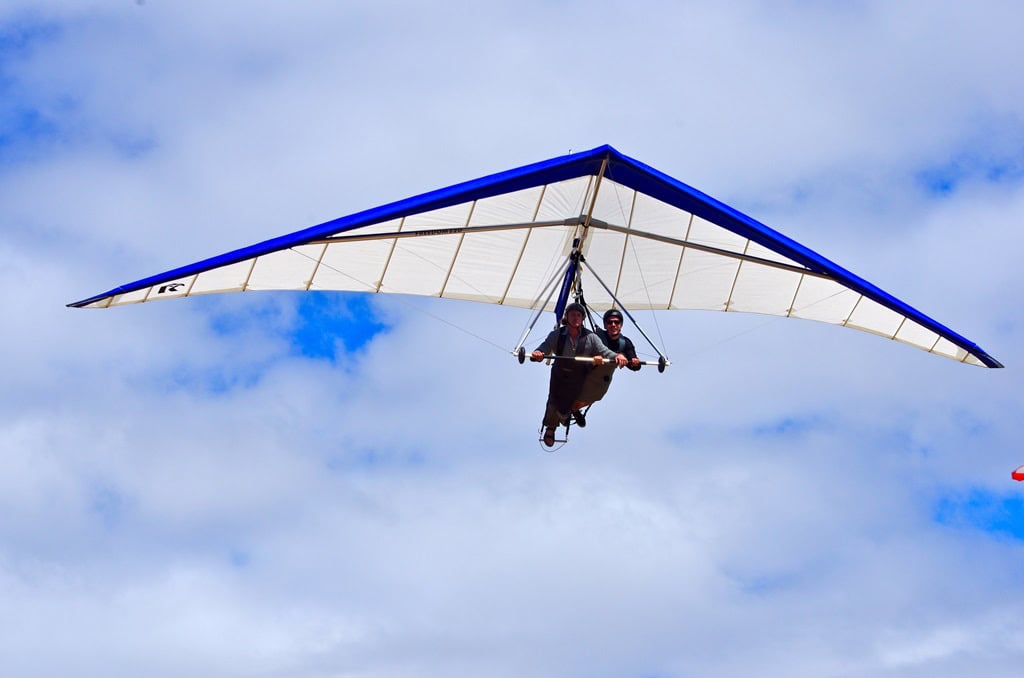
574	306
612	313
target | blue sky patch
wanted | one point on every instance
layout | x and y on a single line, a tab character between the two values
229	318
107	504
36	114
982	509
944	179
25	124
24	120
790	426
239	559
324	324
768	583
328	321
132	146
222	379
18	38
317	325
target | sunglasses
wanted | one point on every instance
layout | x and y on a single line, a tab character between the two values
613	321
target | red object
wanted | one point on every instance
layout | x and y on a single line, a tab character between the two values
1018	474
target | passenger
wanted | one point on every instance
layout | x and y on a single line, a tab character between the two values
567	376
599	378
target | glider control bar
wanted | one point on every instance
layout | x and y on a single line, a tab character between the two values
661	363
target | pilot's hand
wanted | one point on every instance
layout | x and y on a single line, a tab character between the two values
598	360
537	356
621	361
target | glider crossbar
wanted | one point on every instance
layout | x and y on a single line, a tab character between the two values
709	249
455	230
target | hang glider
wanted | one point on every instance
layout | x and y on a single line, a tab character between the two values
655	242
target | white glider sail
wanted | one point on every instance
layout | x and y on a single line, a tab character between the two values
656	242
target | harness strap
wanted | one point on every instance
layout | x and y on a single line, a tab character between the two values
563	334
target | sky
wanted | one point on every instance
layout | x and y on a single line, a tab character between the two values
289	485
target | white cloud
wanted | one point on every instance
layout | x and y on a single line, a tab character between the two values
180	496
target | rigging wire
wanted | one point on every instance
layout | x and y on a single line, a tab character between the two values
627	220
647	290
768	320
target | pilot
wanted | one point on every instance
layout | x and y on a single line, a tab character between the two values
567	376
599	378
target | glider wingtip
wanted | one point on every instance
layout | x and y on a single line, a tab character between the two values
989	361
82	303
